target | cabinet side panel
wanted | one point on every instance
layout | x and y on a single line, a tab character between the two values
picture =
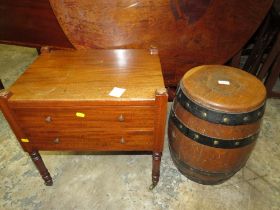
10	117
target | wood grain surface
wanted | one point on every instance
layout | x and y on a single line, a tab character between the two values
81	76
11	117
215	130
224	88
30	23
62	102
209	159
101	128
187	33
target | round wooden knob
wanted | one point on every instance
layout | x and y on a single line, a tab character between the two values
122	140
121	118
48	119
56	140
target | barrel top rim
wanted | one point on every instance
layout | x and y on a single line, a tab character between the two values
223	88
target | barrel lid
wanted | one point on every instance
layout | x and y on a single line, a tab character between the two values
223	88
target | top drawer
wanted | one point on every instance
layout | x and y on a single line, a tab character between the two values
103	117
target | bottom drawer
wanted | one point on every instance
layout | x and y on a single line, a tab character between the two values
128	141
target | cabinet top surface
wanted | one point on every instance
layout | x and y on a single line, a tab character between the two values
90	75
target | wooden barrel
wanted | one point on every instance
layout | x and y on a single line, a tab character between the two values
214	122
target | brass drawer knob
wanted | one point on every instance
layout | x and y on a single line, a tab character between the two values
121	118
122	140
56	140
48	119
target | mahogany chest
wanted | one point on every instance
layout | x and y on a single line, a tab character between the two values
63	101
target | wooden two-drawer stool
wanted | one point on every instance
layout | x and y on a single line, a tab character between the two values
64	102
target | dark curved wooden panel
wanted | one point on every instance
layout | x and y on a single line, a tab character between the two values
31	23
186	32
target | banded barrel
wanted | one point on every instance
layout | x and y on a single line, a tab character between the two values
214	122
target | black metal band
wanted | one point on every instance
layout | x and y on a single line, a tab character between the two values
210	141
216	116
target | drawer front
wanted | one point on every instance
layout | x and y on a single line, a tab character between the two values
92	141
90	128
93	118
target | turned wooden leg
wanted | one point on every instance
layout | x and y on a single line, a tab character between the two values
37	160
156	169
